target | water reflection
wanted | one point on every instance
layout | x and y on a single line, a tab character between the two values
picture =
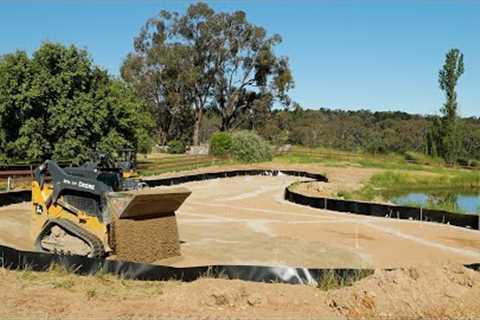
467	201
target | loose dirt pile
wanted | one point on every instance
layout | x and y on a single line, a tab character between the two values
339	179
146	239
144	223
430	292
433	292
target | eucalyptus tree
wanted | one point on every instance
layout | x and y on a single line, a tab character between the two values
205	60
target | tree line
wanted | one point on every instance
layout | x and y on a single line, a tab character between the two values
188	76
366	131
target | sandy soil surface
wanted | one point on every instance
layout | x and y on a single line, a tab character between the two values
340	178
439	292
244	220
15	226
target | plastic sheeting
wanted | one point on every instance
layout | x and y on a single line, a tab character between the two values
16	259
7	198
469	221
231	173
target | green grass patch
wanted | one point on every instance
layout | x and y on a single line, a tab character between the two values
396	180
444	205
384	186
157	170
421	158
332	280
336	158
345	195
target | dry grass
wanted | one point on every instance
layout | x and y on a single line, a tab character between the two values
446	292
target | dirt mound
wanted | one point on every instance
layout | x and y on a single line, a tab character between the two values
436	292
339	179
433	292
144	226
146	240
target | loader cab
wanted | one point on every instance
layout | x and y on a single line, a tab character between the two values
130	156
128	162
111	177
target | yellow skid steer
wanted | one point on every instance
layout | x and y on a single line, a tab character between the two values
91	210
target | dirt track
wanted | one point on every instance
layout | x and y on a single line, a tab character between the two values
244	220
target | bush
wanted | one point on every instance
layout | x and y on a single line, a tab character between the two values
249	147
421	158
465	162
474	163
221	144
176	147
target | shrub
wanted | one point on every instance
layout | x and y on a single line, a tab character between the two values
345	195
468	162
421	158
221	144
475	163
176	147
249	147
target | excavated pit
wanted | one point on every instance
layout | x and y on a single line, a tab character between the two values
146	239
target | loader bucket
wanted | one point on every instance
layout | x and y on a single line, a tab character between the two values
144	226
146	203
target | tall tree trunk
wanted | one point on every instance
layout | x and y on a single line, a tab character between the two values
197	126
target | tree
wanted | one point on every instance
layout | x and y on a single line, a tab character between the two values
207	60
15	103
58	104
446	132
163	81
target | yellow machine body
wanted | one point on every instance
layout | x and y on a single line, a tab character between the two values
147	205
41	214
128	174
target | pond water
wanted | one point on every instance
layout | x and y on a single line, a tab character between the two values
466	201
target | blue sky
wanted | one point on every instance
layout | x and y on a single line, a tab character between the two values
378	55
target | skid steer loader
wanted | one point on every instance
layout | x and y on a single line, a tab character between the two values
81	210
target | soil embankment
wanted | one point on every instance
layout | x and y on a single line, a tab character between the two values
429	292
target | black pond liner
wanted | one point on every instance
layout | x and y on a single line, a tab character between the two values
12	197
469	221
36	261
231	173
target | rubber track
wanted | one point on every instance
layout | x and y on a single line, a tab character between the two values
93	242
